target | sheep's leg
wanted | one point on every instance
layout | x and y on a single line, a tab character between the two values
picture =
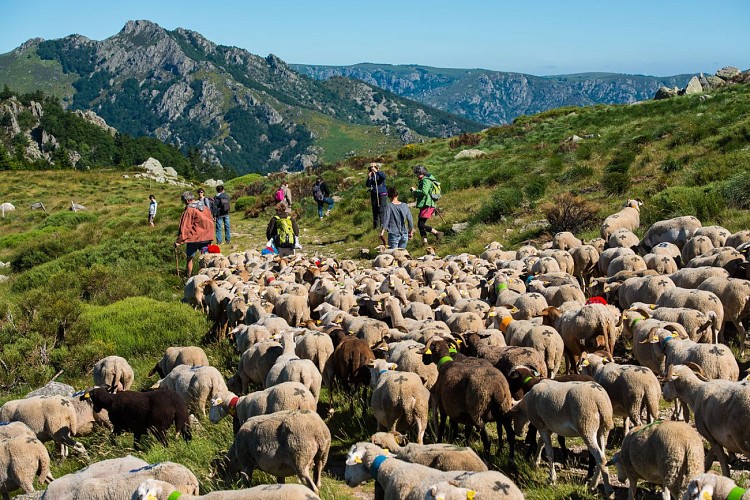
546	438
441	426
665	495
304	476
507	422
741	330
468	431
282	480
632	487
421	428
530	441
718	451
320	458
485	441
597	450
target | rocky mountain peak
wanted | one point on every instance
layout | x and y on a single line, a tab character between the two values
30	43
197	39
140	26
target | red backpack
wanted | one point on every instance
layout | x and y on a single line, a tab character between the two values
279	196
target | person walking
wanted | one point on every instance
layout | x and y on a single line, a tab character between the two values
283	230
152	209
196	229
221	214
425	203
378	193
287	193
397	220
322	196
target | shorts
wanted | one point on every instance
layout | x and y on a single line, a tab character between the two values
426	212
192	247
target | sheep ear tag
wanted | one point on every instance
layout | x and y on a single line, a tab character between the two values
150	496
470	494
427	351
87	396
585	362
357	460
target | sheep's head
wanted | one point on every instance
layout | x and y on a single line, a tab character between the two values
705	486
153	489
449	490
357	471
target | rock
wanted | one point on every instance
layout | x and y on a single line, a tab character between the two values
170	172
213	183
469	153
305	161
153	167
460	227
4	278
53	389
97	120
75	207
728	72
666	93
693	87
160	179
711	82
126	176
36	109
570	143
743	77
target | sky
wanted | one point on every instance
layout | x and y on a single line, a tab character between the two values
541	37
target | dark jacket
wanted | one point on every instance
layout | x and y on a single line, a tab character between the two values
376	184
216	204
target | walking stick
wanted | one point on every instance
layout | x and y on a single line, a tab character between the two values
439	214
177	262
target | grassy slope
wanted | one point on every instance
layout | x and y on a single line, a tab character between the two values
28	73
109	255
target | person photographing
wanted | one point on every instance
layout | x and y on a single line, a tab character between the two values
378	193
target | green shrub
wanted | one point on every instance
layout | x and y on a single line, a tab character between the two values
575	173
233	184
621	161
139	325
616	182
736	191
411	151
244	202
68	219
47	247
583	152
535	188
501	202
570	213
704	202
671	165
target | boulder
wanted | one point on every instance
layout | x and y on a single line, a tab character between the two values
53	389
711	82
666	92
460	227
693	87
213	182
4	278
728	72
469	153
170	172
153	167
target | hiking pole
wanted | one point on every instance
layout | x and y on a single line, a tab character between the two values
177	262
440	214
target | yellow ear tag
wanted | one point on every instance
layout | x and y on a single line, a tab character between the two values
652	306
706	496
427	351
585	362
218	401
386	450
357	460
470	494
674	335
150	496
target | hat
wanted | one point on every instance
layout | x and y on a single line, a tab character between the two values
282	208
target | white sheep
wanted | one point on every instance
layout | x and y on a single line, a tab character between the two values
565	240
677	231
713	486
113	373
440	456
623	238
153	489
628	217
734	295
21	459
407	357
717	234
695	247
248	335
398	399
66	485
701	300
196	384
175	356
716	361
315	346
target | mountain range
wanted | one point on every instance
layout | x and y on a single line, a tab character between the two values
496	97
252	113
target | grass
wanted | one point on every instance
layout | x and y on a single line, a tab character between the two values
29	73
84	285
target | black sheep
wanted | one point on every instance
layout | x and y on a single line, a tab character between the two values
141	412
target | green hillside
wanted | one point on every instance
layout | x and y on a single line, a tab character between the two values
88	284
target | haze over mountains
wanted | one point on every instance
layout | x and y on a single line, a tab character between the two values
261	114
496	97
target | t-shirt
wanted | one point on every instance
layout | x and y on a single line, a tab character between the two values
397	219
152	208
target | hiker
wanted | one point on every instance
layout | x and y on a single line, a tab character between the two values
221	214
425	203
397	220
378	193
283	230
283	194
207	202
152	210
322	196
196	229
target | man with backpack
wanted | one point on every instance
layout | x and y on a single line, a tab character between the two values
378	193
426	193
283	230
196	229
321	195
221	214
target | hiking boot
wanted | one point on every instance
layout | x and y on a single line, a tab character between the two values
321	218
424	242
439	235
328	212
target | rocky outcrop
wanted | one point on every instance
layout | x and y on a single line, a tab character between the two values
469	154
728	75
97	120
157	173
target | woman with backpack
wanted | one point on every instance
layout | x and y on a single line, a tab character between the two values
322	196
284	194
424	193
283	230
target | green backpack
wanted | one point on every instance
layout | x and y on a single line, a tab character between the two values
435	191
284	233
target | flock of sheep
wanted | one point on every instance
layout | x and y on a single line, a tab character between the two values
467	339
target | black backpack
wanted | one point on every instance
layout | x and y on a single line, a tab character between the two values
222	202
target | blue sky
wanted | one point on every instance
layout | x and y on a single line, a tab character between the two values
661	37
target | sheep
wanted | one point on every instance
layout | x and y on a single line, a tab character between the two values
623	238
565	240
701	300
113	373
677	231
710	485
248	335
398	398
113	479
662	264
631	389
293	308
197	385
141	412
570	409
626	263
401	480
545	265
543	339
174	356
738	238
440	456
563	258
627	218
717	234
598	243
734	295
610	254
639	289
64	486
348	362
51	418
697	325
236	312
726	257
716	361
153	489
10	430
290	368
282	444
720	409
254	365
505	358
663	452
691	277
315	346
585	260
194	294
283	396
695	247
86	418
406	356
529	305
22	458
